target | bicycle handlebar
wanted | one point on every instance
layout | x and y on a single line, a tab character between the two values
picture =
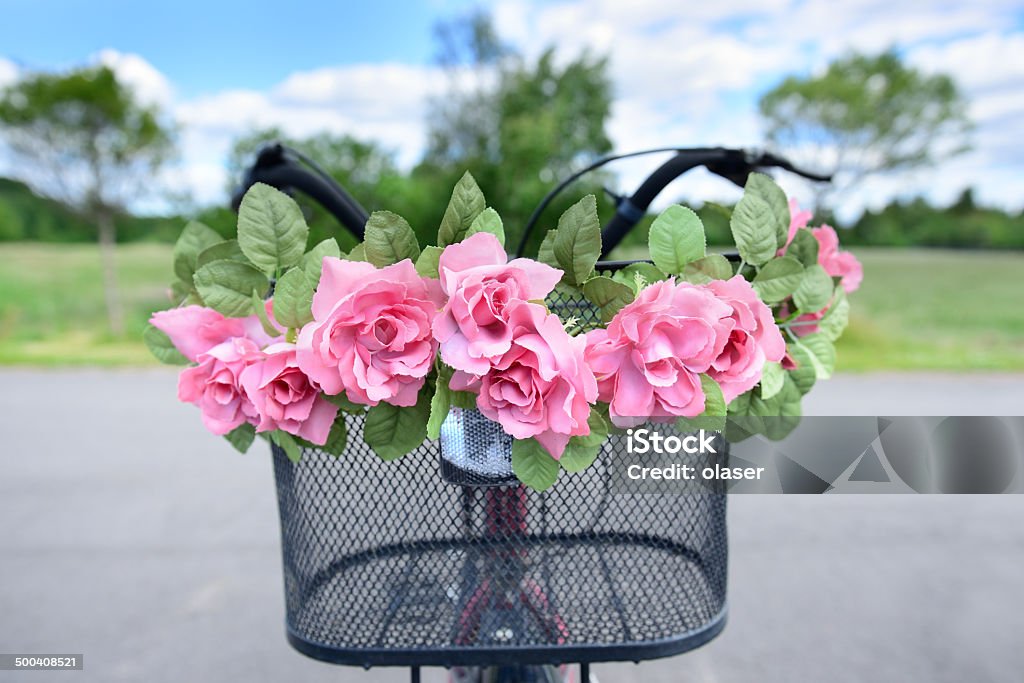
279	166
732	164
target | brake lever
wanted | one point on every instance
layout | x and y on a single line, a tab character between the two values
737	166
779	162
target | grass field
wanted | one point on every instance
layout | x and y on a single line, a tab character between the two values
936	309
51	303
918	309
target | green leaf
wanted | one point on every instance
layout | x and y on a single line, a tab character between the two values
271	230
755	221
259	307
313	261
227	286
241	437
704	270
392	431
293	298
578	240
342	401
389	239
463	399
581	451
440	404
288	444
180	291
772	378
765	187
775	417
804	247
337	438
778	278
714	401
546	253
161	347
815	290
676	238
820	352
488	221
465	205
194	239
608	295
222	251
834	322
533	465
638	275
427	263
715	409
788	408
358	253
804	376
723	211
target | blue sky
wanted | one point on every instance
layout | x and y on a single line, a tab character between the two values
206	46
681	77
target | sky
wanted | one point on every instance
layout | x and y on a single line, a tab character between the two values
682	76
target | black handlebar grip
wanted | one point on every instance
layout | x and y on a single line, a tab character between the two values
286	176
275	169
630	211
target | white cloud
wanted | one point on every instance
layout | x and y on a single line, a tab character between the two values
691	76
681	75
150	86
384	102
8	72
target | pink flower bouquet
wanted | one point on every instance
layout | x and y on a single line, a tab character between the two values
285	342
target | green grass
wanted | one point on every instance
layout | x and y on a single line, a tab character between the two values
918	309
51	303
936	309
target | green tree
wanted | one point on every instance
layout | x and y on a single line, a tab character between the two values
11	225
87	141
519	125
869	115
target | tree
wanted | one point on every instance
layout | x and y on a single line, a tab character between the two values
866	115
88	142
518	125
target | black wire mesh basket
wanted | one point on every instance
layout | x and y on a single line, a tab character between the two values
391	564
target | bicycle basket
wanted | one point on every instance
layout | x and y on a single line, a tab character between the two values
386	563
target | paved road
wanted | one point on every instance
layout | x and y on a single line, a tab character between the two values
130	535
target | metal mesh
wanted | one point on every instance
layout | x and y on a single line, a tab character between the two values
475	451
386	563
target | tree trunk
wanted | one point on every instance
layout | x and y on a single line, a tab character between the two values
108	258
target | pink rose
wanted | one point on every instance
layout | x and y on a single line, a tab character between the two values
806	323
649	359
214	386
798	218
480	283
835	262
541	387
754	339
285	398
194	329
370	336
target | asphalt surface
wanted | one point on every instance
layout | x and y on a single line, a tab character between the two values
130	535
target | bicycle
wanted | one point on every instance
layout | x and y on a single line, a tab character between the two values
463	570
